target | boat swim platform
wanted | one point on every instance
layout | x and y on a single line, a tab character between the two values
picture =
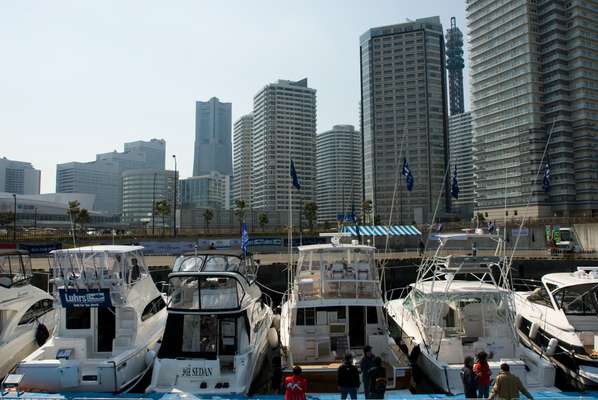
390	395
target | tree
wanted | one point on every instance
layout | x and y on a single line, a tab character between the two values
377	220
6	218
74	210
263	220
366	209
240	211
163	210
82	218
208	215
311	210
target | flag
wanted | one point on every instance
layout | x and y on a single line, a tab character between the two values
407	175
455	185
546	183
244	239
294	176
354	218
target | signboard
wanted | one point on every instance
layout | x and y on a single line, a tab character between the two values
556	234
548	233
34	248
519	232
71	298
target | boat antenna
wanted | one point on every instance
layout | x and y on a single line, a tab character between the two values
529	199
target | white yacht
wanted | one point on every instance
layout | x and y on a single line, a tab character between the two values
26	312
218	326
459	306
110	320
559	320
335	306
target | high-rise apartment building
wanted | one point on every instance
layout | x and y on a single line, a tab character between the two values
102	177
242	158
461	157
19	177
338	172
213	150
207	191
141	190
455	65
534	75
284	128
404	116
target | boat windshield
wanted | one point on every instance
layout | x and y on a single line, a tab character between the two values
100	265
196	293
214	263
578	299
15	269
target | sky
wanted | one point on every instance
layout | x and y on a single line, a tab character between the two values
82	77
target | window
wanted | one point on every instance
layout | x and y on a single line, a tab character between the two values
37	310
577	300
78	318
153	307
540	296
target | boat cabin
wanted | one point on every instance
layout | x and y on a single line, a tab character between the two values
338	303
213	302
15	268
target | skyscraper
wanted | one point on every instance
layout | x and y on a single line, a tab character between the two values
404	116
143	187
338	172
213	150
455	65
19	177
284	127
534	75
242	158
102	177
460	146
207	191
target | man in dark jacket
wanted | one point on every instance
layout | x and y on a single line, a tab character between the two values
468	377
366	363
377	377
347	378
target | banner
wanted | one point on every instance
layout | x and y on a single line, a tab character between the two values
35	248
520	232
70	298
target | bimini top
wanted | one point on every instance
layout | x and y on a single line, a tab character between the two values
116	249
464	236
455	287
582	276
211	261
333	247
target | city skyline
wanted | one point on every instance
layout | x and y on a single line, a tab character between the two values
51	99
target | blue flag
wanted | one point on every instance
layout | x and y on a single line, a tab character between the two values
546	182
407	174
244	239
354	218
294	176
455	185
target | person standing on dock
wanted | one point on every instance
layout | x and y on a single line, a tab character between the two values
470	383
366	363
347	378
508	386
483	373
377	377
295	385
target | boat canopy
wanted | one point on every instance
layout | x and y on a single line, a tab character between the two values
382	230
216	261
220	292
15	268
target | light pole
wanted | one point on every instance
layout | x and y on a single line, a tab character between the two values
14	219
154	205
175	197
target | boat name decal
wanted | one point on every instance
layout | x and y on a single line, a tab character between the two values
198	371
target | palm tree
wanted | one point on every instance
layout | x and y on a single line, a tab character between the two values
163	210
263	220
82	218
366	208
311	209
208	214
240	210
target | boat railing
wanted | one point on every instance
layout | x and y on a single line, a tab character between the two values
308	289
526	285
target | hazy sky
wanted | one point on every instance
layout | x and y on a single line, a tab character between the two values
82	77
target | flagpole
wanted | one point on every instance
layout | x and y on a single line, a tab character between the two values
290	234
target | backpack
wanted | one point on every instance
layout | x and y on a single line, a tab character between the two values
380	384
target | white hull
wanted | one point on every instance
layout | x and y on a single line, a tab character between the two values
113	374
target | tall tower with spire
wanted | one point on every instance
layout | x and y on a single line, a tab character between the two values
455	65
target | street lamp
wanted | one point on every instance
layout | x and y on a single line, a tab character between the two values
14	220
175	197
